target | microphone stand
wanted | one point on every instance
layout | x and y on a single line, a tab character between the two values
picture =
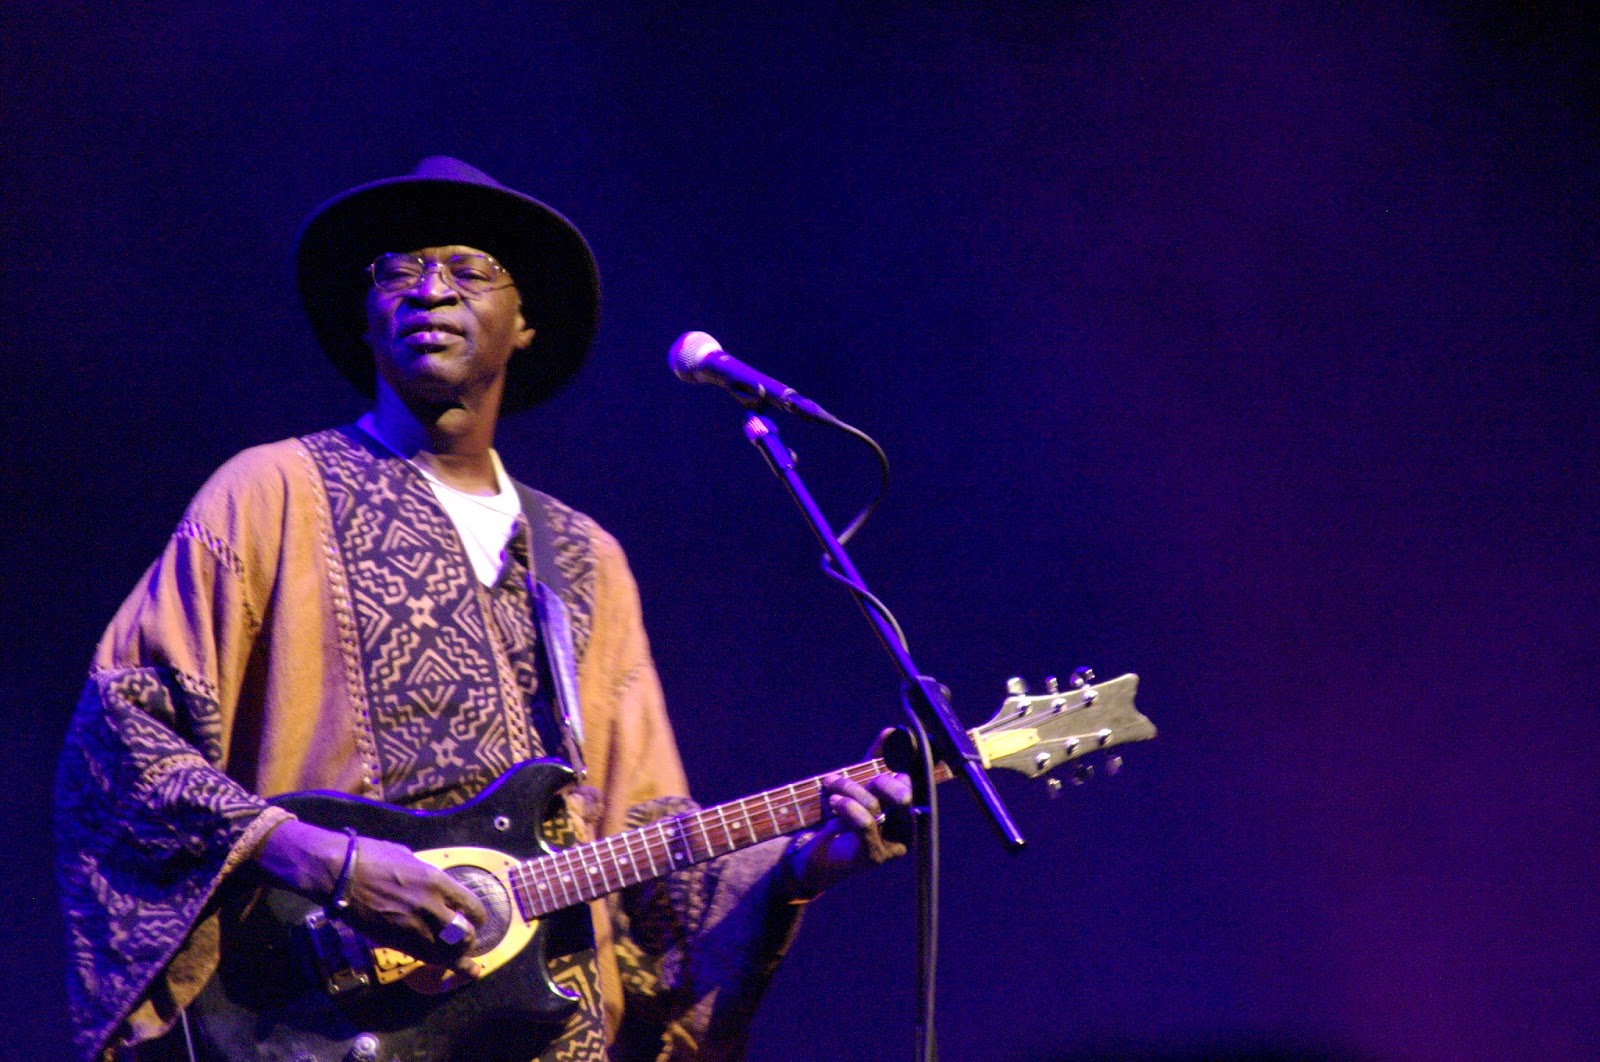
928	704
926	698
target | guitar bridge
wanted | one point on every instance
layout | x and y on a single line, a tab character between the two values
342	960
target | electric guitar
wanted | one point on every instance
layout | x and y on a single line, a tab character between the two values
297	986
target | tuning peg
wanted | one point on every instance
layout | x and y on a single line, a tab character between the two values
1053	787
1113	764
1082	773
1016	687
1054	688
1081	678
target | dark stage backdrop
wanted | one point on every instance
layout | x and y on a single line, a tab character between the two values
1248	347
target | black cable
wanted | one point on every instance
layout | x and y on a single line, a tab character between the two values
866	597
926	834
927	841
883	478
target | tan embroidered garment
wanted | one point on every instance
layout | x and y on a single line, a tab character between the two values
251	661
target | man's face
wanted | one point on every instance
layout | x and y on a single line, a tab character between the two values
433	344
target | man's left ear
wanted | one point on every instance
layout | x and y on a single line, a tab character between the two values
525	332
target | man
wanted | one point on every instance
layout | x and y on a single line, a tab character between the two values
354	611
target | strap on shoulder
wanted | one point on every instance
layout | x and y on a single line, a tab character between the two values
545	583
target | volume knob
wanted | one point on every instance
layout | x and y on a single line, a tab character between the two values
363	1048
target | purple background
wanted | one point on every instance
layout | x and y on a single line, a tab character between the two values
1251	349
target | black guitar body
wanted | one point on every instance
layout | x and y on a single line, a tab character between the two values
268	1001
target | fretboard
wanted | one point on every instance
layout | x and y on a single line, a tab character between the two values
588	871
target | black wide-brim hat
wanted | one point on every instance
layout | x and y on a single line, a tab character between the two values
444	202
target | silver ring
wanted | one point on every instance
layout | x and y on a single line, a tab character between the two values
880	818
456	930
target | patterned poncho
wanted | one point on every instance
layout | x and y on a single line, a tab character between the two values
314	623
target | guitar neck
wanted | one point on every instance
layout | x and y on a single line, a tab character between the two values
589	871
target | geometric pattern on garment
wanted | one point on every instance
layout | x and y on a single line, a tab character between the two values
583	1038
447	715
657	920
136	804
451	666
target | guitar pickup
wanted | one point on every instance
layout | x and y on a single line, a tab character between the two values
340	956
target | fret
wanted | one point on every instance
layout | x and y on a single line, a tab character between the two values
771	827
660	847
519	890
650	856
575	872
777	827
605	851
593	872
574	875
750	836
865	772
590	878
795	810
569	877
794	818
684	849
567	882
583	872
662	835
552	885
587	873
615	865
534	885
547	901
700	820
549	892
663	832
538	889
632	859
627	866
627	872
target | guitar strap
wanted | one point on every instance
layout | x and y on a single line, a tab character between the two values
545	584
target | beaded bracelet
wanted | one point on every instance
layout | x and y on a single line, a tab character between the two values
339	900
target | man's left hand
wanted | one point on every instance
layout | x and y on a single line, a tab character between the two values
851	837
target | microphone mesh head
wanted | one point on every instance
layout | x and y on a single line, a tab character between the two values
688	352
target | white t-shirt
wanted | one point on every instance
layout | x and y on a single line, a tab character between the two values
483	521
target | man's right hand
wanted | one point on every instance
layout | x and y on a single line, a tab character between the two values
396	900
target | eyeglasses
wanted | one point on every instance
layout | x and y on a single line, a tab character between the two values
470	274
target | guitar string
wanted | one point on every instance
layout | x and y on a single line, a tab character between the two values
566	877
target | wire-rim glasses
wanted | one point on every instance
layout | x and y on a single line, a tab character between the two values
469	274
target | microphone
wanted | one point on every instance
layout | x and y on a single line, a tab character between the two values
698	358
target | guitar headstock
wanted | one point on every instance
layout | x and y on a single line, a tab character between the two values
1036	733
